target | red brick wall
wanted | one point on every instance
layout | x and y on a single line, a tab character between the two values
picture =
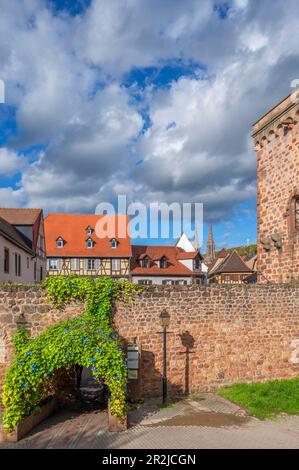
276	138
234	333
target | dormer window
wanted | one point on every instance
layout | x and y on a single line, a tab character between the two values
113	243
163	262
59	242
88	230
89	243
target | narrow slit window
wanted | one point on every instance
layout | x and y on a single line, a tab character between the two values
297	213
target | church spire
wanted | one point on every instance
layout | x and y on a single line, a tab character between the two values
196	240
210	253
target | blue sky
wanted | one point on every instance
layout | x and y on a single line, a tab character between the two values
150	99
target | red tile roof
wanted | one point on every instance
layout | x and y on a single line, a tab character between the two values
187	255
174	268
22	216
72	228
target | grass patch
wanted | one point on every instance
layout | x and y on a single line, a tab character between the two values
265	400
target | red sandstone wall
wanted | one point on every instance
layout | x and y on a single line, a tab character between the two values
234	333
29	301
277	144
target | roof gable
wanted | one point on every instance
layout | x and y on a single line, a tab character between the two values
232	263
9	232
184	243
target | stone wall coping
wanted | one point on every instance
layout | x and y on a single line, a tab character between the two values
166	288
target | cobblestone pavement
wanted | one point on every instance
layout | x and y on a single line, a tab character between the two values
216	423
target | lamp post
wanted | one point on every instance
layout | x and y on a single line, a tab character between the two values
164	317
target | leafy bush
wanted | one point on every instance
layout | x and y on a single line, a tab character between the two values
88	340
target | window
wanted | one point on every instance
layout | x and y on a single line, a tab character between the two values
145	282
196	263
17	264
41	273
113	243
145	263
27	262
167	282
297	213
163	263
35	270
6	260
89	230
59	242
180	282
89	243
75	264
53	263
115	264
41	243
91	263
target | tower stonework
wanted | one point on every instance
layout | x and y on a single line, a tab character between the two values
210	252
276	141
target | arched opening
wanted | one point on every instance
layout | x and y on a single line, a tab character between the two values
91	393
292	213
86	341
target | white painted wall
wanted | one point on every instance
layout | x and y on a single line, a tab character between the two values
41	260
187	262
204	267
159	279
27	273
184	243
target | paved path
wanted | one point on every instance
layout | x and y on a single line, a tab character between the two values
215	423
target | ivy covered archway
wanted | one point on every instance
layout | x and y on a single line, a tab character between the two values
88	340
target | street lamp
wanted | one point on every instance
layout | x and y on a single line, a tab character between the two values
164	317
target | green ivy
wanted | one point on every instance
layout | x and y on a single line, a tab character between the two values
88	340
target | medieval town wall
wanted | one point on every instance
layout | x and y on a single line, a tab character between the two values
217	335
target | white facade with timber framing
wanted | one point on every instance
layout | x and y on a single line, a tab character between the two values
75	246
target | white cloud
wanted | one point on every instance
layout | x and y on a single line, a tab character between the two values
10	163
64	76
11	198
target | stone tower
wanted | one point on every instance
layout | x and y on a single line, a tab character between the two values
210	252
276	141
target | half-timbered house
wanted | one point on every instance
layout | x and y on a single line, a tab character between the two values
80	244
